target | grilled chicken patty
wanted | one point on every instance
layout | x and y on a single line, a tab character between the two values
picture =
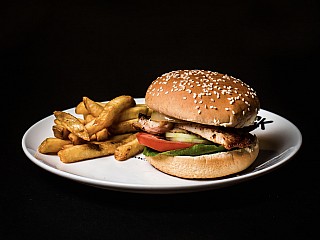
228	137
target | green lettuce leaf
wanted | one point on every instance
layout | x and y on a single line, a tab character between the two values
195	150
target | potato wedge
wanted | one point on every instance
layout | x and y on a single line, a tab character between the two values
110	113
120	137
123	127
52	145
133	112
102	135
73	124
76	140
81	109
128	150
88	118
60	131
87	151
93	107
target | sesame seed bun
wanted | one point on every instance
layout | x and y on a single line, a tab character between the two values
204	97
206	166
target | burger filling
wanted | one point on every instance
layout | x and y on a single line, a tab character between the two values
165	135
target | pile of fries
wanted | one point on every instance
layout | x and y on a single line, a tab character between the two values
105	129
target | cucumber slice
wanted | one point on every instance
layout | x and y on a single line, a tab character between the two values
185	137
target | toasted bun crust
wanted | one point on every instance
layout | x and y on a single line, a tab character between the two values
206	166
204	97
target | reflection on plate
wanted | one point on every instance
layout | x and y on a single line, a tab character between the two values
279	141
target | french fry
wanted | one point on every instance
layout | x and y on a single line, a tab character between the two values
93	107
82	121
75	153
81	109
120	137
88	118
52	145
87	151
133	112
73	124
57	122
123	127
128	150
66	146
110	113
102	135
130	138
76	140
60	131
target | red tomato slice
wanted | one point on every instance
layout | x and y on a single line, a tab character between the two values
160	144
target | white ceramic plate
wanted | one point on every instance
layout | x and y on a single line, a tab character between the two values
279	141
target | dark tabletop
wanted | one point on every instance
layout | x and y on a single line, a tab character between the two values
54	53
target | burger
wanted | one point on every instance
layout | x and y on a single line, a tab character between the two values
200	126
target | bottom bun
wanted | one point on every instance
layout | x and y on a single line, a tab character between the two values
206	166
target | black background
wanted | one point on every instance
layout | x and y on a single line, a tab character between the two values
53	53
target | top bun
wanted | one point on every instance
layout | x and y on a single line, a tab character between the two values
204	97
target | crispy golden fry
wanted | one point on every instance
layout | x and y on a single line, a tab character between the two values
87	151
123	127
88	118
60	131
73	124
93	107
81	109
128	150
120	137
110	113
93	149
57	122
52	145
130	138
102	135
67	146
133	112
82	121
75	139
93	137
